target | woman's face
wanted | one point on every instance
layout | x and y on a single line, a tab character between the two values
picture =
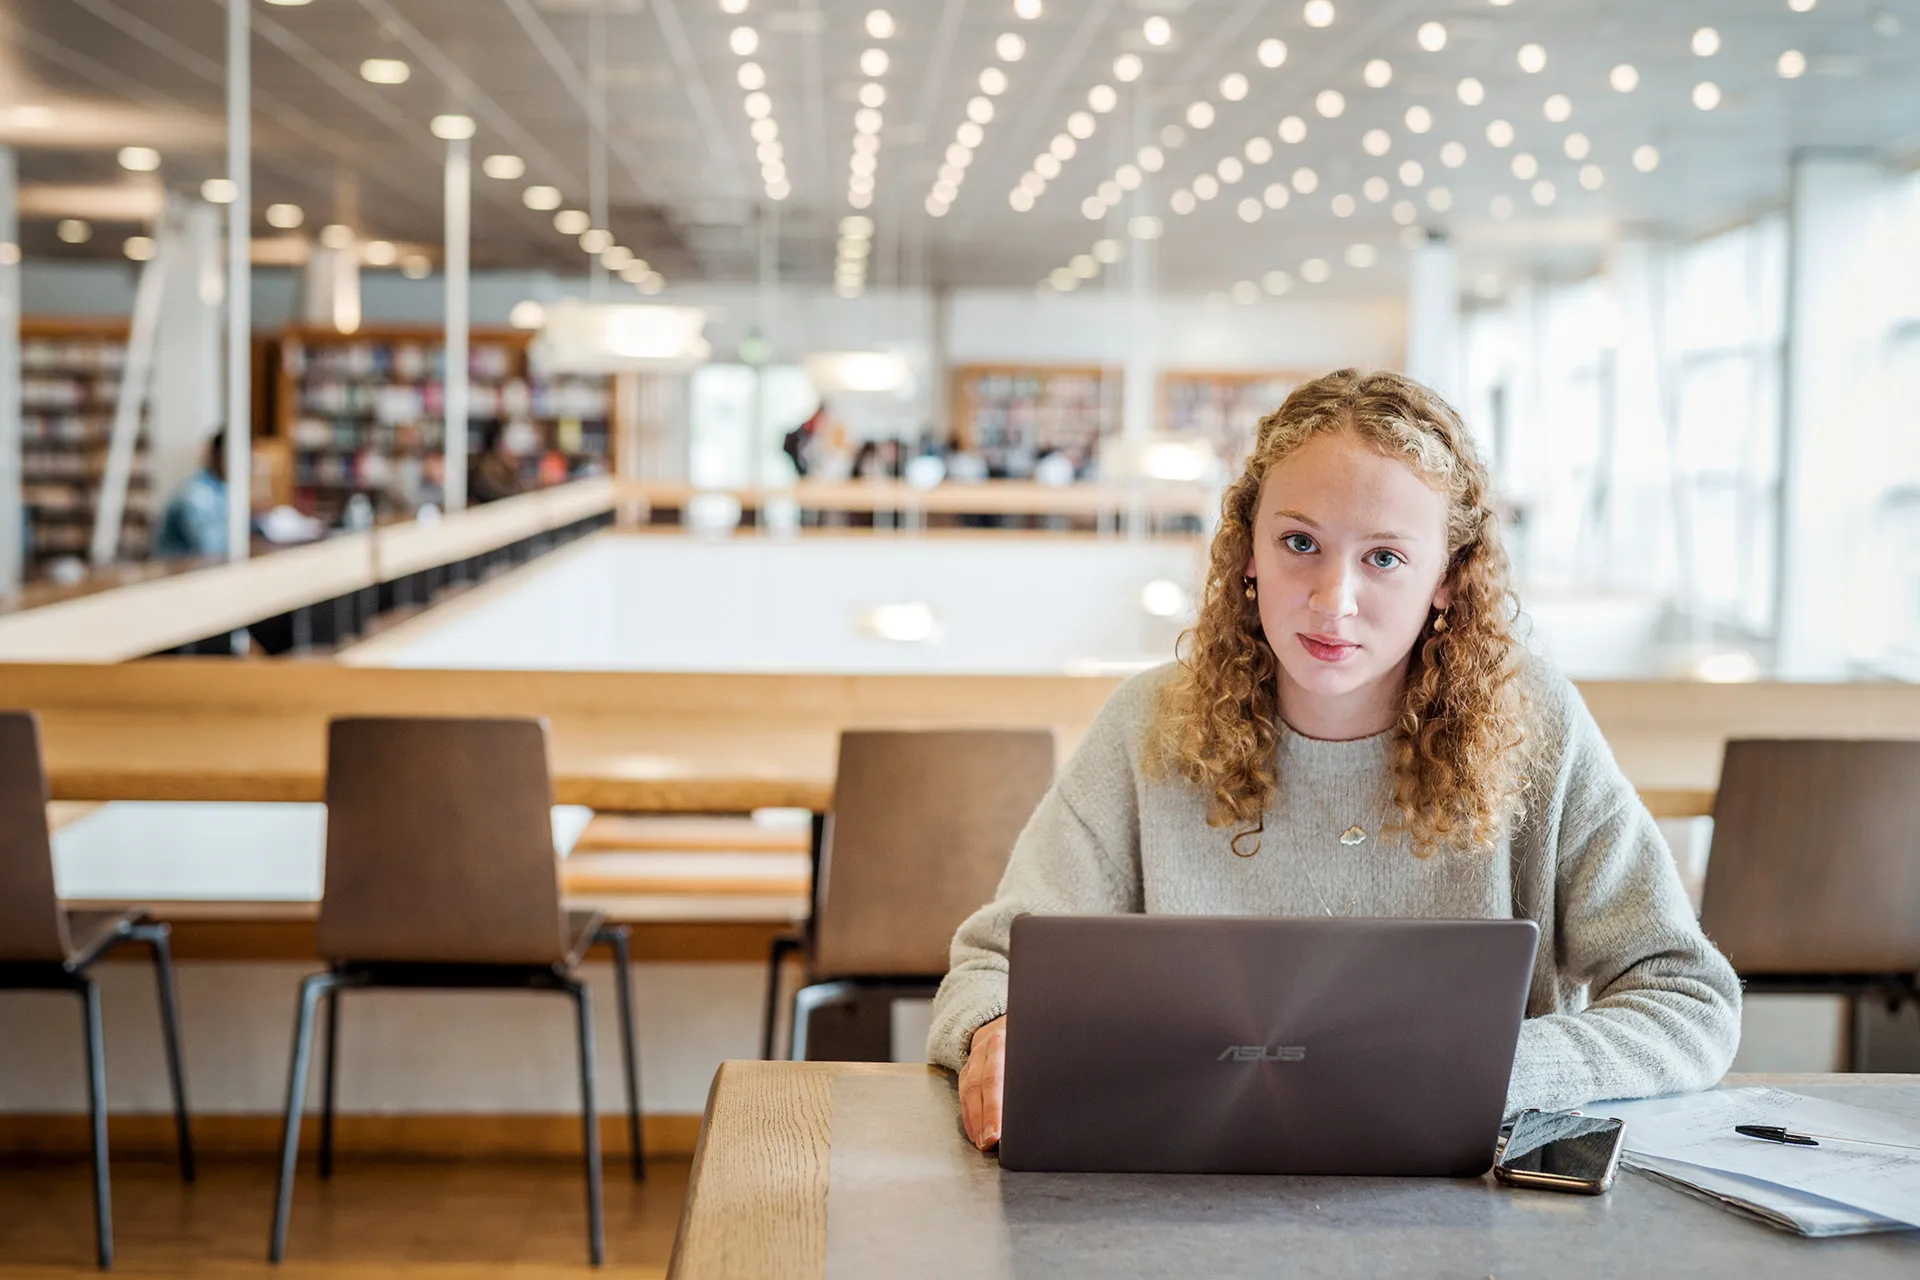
1349	553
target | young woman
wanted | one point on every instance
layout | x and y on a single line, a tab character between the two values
1354	730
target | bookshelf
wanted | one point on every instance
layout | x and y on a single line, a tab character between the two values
69	386
362	413
1223	408
1012	415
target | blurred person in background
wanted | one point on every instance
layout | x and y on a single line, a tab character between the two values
194	522
495	473
797	444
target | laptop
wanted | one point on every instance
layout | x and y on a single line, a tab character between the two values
1210	1044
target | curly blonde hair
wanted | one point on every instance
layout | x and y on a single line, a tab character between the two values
1456	754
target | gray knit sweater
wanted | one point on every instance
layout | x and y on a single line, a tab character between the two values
1628	998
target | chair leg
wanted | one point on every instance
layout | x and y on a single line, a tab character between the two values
775	954
805	1001
616	936
311	991
327	1072
158	936
97	1111
589	1122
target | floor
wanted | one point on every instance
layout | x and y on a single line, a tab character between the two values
377	1219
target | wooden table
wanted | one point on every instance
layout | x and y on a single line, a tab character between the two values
988	497
778	1135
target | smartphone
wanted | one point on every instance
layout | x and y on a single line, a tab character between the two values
1562	1151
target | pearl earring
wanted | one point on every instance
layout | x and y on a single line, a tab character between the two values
1251	593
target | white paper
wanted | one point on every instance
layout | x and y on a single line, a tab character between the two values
1779	1207
1699	1130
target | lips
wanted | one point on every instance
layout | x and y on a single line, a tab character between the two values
1327	648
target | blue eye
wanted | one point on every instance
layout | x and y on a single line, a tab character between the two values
1391	558
1299	543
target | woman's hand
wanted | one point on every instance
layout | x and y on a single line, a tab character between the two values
981	1080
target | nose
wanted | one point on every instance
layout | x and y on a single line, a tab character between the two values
1332	596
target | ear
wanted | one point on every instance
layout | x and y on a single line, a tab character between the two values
1443	596
1249	571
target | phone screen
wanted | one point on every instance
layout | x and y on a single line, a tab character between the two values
1563	1145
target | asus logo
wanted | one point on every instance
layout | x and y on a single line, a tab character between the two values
1263	1053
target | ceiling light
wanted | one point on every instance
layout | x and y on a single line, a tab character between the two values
219	190
1419	119
285	216
1432	36
1200	114
1532	58
743	41
854	227
1792	65
1305	180
980	110
73	231
1062	279
1591	177
1376	142
1009	47
1377	74
1233	86
1525	167
1230	169
1128	178
1244	291
1103	98
859	163
1062	147
1107	251
451	128
1500	133
768	153
1206	186
1021	200
936	207
1706	95
1577	146
968	134
1249	210
1624	78
1330	102
1362	255
1276	283
759	106
860	183
1127	68
1315	271
1375	189
1047	165
1646	159
1543	193
1342	205
993	82
767	130
1083	265
527	314
28	116
733	6
1151	158
290	4
1471	92
1157	31
596	240
139	159
873	62
504	167
1453	155
1181	201
571	222
1501	207
1802	6
874	96
379	253
1411	173
1292	129
1258	150
751	75
880	24
1080	125
1558	108
1276	195
867	120
1271	52
1318	13
416	267
385	71
1027	9
655	282
1706	42
336	235
138	248
860	199
1404	212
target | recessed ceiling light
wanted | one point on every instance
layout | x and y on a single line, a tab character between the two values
980	110
1376	142
1792	65
1151	158
1453	155
867	120
1083	265
1276	283
1315	271
993	82
1292	129
733	6
743	41
1103	98
1010	46
451	128
1543	193
1047	165
1230	169
1026	9
1157	31
968	134
138	248
880	24
1501	207
139	159
504	167
1107	251
1249	210
73	231
1558	107
1145	227
1532	58
285	216
1342	205
936	207
1062	147
1500	133
874	96
1127	68
1471	92
380	253
1206	186
1258	150
1432	36
290	4
1128	177
336	235
1377	74
1093	209
1200	114
1419	119
1245	292
1362	256
1021	200
1271	52
1411	173
1706	42
572	222
769	129
598	240
385	71
758	105
1624	78
1577	146
873	62
1646	159
1802	6
1375	189
1706	95
219	190
751	75
1318	13
1305	180
1330	102
1276	195
1080	125
1591	177
1525	167
1181	201
1233	86
416	267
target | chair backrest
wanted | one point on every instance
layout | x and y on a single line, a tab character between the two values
1815	865
440	842
919	834
32	926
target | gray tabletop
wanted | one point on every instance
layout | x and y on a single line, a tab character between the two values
907	1196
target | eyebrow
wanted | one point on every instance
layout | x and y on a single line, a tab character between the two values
1311	523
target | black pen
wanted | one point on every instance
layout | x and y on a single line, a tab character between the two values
1777	1133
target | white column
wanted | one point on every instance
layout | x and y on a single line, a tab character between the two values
12	510
1433	318
1643	521
239	458
1830	357
459	209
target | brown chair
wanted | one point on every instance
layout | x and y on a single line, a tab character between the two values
1813	880
45	948
440	873
919	833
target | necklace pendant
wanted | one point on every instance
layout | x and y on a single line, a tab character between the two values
1353	836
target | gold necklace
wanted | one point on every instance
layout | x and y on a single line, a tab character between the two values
1354	834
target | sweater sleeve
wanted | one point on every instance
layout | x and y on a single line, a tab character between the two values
1664	1009
1078	855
